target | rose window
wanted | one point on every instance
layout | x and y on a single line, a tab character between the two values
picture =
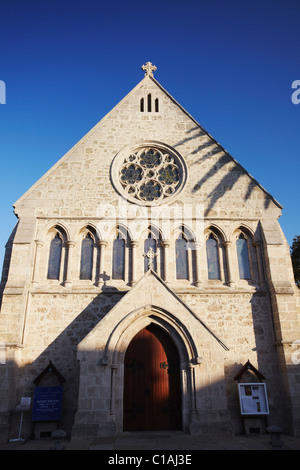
150	191
149	175
131	174
169	174
150	158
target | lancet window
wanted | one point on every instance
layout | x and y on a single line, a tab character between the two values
181	253
55	256
87	255
212	255
242	249
150	242
118	261
149	101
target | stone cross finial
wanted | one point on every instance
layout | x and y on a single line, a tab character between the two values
150	255
149	68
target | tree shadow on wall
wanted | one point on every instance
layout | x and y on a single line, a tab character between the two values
229	180
62	352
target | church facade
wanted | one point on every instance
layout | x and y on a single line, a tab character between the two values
146	278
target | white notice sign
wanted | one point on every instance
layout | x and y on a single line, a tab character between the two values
253	399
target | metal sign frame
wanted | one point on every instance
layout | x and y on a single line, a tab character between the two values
253	399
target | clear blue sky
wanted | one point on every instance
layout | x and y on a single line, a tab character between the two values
229	63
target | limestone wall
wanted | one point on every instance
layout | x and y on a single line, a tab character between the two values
80	181
43	320
57	323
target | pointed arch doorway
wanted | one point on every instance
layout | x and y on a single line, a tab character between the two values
152	385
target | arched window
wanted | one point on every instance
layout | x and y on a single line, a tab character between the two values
243	257
149	99
55	254
212	254
150	242
181	258
118	263
86	261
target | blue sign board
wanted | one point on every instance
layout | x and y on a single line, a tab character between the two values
47	403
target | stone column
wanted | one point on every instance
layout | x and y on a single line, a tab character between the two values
134	245
191	375
166	244
102	244
227	245
113	389
68	281
197	247
39	244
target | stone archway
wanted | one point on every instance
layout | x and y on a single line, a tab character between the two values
102	355
152	385
182	342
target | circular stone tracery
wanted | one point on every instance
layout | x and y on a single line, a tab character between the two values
149	175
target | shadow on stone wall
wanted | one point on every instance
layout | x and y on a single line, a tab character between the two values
63	353
228	181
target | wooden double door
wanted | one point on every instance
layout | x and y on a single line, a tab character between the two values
152	385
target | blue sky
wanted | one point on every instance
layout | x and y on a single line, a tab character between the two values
230	64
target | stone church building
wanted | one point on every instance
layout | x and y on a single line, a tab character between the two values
147	278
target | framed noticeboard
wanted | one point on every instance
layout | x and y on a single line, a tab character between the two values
24	405
253	399
47	404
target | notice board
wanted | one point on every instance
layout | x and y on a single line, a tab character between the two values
47	404
253	399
